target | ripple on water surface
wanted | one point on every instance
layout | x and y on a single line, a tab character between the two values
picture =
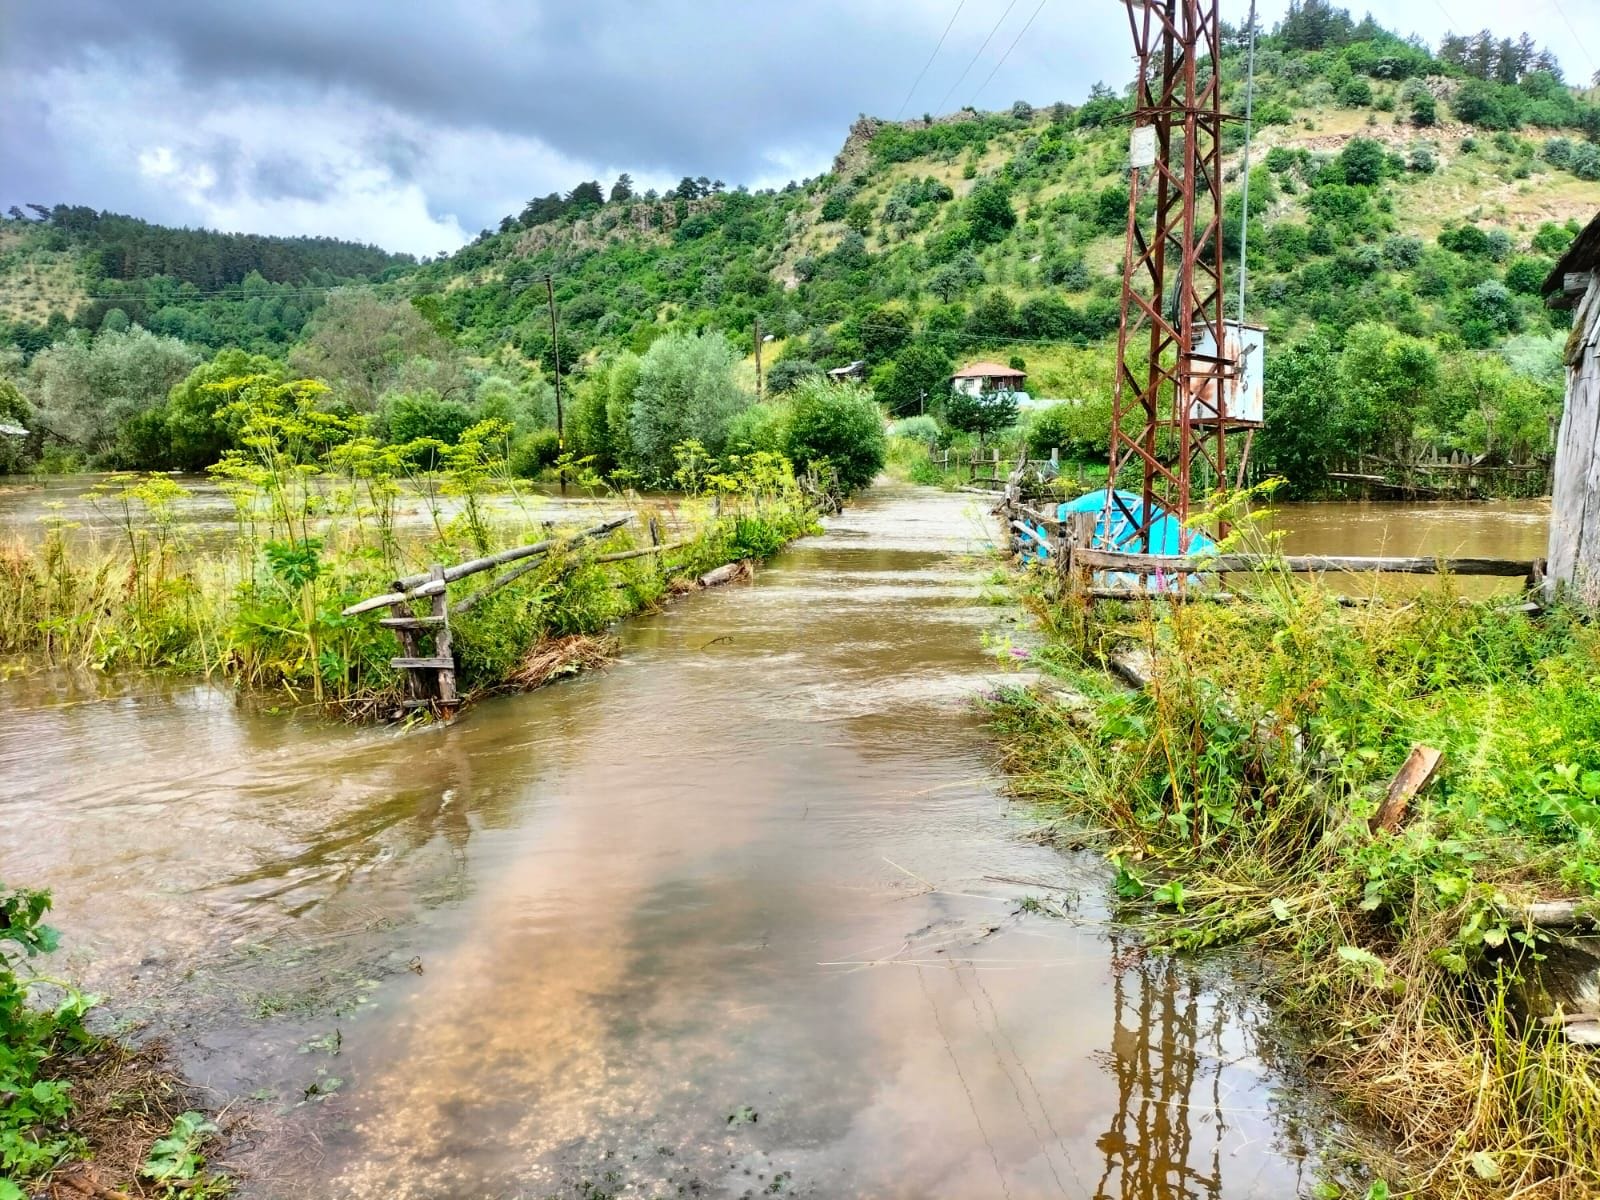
740	916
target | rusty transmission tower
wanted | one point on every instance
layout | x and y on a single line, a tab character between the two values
1170	399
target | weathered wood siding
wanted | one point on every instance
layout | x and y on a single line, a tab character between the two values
1575	503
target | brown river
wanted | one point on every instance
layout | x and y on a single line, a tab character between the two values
741	916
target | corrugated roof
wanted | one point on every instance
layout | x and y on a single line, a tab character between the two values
987	370
1582	255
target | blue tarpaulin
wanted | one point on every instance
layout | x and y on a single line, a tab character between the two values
1114	530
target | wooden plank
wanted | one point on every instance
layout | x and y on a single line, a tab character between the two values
1574	549
422	662
1414	775
407	622
443	648
407	638
1173	564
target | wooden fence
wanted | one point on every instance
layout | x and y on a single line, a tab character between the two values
1069	545
430	670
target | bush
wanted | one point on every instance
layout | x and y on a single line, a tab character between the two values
1364	161
760	427
989	211
840	426
685	391
534	454
1079	429
425	415
787	373
920	429
1402	251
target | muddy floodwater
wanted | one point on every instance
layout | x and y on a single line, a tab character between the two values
741	916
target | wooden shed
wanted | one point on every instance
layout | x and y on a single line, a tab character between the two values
1574	555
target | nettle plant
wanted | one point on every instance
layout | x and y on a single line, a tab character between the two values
33	1106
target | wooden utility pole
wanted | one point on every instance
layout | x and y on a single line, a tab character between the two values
758	360
555	358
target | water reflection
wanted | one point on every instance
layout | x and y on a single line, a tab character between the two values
741	915
1188	1086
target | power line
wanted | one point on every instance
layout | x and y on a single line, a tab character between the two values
1578	41
959	6
1007	54
978	55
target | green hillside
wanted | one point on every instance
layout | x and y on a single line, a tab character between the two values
72	266
1406	204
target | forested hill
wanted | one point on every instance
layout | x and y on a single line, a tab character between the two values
72	264
1406	202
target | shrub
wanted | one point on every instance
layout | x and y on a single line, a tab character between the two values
685	391
532	455
425	415
1402	251
839	426
787	373
989	211
1078	428
1364	161
760	427
921	428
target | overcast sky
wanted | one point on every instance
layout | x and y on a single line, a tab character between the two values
415	123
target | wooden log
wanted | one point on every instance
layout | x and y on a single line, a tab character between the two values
625	555
1561	914
415	587
405	634
726	573
1414	775
473	566
443	648
1029	531
421	662
1135	665
1174	564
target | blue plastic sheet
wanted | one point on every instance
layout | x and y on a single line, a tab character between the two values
1114	530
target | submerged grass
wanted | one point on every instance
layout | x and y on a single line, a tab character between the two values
317	531
1238	789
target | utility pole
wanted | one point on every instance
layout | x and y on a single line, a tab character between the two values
555	358
1249	106
758	360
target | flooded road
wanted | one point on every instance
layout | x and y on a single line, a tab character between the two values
742	916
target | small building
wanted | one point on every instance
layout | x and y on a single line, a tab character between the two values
981	377
853	370
1574	554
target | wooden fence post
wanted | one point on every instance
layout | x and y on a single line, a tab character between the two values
442	649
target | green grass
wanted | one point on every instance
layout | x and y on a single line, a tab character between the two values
1237	791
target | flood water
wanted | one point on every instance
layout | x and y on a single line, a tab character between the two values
741	916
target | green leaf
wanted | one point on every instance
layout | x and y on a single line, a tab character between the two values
1280	910
1378	1191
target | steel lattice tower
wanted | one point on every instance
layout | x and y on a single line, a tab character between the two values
1169	409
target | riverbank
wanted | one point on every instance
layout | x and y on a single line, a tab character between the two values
1233	797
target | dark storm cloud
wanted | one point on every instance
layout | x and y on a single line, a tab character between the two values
396	153
659	86
280	177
